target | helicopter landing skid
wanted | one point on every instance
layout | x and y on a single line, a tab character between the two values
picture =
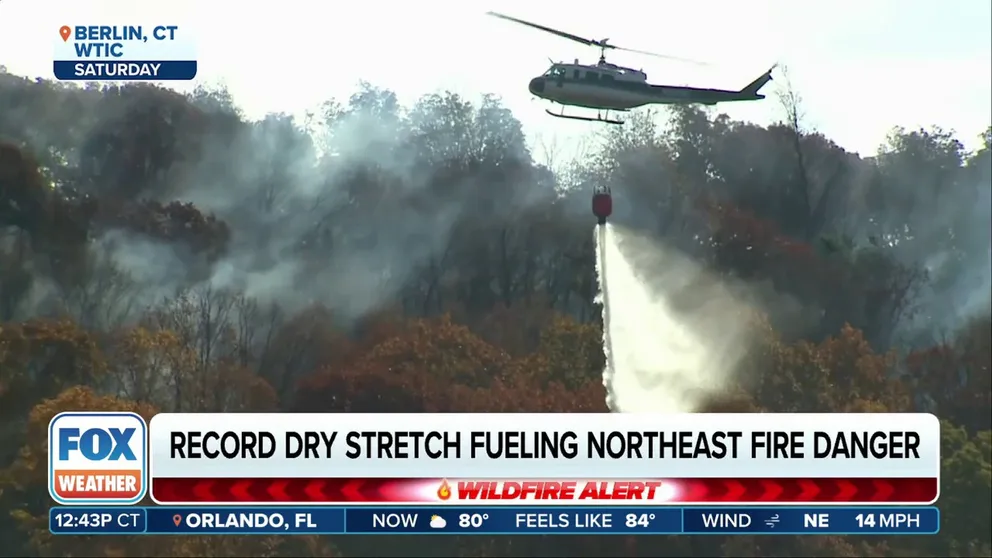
601	116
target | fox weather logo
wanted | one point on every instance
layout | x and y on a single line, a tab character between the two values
97	458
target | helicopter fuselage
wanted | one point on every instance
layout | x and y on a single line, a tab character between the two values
617	88
592	96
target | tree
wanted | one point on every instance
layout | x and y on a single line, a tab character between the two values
28	478
569	353
965	492
415	370
955	379
841	373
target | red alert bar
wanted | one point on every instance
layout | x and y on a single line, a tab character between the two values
908	491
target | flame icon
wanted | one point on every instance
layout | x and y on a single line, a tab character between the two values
445	491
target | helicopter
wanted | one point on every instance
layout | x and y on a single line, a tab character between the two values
608	87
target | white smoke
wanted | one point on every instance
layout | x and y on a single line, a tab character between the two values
672	335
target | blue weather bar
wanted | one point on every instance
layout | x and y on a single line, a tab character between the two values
124	70
496	520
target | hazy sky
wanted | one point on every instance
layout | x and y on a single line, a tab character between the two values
861	66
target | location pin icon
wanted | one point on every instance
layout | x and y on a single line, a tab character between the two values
65	31
177	519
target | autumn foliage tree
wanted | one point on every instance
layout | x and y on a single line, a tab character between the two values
160	252
27	476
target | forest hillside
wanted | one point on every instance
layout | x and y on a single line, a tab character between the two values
161	252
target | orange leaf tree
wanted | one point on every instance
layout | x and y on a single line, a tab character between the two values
27	478
414	370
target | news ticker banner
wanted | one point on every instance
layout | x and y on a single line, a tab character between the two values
495	520
495	459
155	51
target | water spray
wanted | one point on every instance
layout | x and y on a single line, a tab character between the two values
672	335
601	298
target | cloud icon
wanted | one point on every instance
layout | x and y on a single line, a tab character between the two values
438	522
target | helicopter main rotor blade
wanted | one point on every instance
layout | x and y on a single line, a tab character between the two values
561	34
665	56
603	44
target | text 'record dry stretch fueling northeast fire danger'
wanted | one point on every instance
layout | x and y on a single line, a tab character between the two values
495	459
157	51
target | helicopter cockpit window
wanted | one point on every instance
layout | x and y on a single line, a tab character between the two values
556	71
